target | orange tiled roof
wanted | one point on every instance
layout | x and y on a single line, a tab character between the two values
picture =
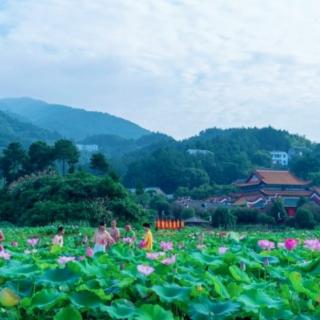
279	177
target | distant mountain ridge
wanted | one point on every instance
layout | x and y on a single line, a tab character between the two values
14	130
70	122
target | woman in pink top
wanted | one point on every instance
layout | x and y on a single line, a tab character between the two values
101	239
58	238
114	231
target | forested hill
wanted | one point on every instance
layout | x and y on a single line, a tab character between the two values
12	130
213	157
71	123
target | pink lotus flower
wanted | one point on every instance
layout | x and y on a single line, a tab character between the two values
5	255
142	244
33	242
169	261
290	244
166	246
266	244
128	240
154	255
145	270
63	260
14	243
89	252
313	245
222	250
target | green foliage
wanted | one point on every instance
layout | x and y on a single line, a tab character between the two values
46	198
187	213
223	217
231	154
160	204
12	161
263	218
277	211
98	163
14	130
246	215
66	153
305	219
40	157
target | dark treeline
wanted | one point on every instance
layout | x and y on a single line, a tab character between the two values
222	156
45	184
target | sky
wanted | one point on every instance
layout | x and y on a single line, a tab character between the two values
174	66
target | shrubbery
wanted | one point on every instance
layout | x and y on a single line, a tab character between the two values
47	197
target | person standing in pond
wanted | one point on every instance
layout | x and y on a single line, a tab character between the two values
129	233
114	231
102	239
147	243
58	238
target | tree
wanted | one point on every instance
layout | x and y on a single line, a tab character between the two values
223	217
305	218
187	213
277	211
12	161
66	152
98	162
40	156
160	204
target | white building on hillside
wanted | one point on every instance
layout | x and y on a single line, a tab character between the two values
280	158
90	148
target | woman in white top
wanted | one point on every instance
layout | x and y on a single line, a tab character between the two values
58	238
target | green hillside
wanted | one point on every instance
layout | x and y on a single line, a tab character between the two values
14	130
70	122
220	157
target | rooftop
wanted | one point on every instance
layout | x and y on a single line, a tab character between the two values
273	177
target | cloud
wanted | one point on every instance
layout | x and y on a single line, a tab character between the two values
172	66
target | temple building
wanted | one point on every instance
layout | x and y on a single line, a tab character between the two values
264	186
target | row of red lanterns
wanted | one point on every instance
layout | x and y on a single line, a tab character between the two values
169	224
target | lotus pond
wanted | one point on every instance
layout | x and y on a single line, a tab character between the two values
191	274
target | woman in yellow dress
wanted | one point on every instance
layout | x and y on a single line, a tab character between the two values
148	238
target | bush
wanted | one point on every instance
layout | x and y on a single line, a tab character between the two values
223	217
46	198
291	222
263	218
187	213
305	218
246	215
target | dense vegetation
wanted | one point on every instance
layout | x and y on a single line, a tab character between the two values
12	129
229	155
191	274
42	186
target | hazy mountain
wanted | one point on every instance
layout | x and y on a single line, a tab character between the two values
13	130
72	123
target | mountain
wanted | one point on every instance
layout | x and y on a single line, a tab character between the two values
13	130
72	123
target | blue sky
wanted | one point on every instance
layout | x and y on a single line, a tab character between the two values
175	66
